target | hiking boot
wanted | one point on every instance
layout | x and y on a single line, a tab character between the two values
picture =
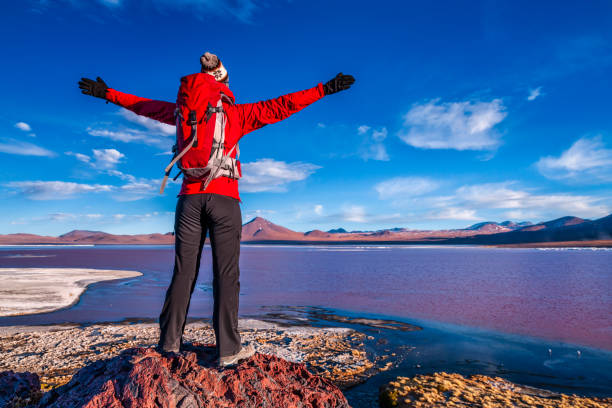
167	352
244	353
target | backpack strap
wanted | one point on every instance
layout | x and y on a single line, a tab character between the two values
213	175
193	143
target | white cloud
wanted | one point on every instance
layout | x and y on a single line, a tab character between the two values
55	190
61	217
363	129
453	213
376	151
587	161
79	156
403	187
121	175
138	189
23	126
372	147
454	125
534	93
321	125
12	146
318	209
106	158
354	213
129	136
272	175
150	124
103	159
503	196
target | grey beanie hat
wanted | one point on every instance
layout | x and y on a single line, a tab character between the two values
211	64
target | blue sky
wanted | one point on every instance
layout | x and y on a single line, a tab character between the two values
461	112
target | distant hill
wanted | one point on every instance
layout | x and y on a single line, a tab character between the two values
490	227
260	230
559	222
559	230
82	237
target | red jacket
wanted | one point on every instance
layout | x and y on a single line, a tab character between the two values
242	119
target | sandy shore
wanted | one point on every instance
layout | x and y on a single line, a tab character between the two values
39	290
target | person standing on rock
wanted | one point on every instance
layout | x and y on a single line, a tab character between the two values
214	206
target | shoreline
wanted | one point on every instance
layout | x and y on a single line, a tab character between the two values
415	243
53	289
359	359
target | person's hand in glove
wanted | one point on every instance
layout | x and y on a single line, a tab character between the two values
339	83
95	88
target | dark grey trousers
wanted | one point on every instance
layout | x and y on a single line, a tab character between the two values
195	215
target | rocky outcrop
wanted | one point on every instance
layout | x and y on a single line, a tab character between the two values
18	389
56	353
141	377
454	390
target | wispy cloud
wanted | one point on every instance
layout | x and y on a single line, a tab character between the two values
534	93
12	146
404	187
453	213
250	214
136	188
586	161
372	147
130	136
79	156
149	124
241	10
454	125
273	175
354	213
505	196
55	190
111	3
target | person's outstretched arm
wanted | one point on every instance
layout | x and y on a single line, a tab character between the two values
158	110
256	115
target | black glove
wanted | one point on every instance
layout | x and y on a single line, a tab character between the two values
95	88
339	83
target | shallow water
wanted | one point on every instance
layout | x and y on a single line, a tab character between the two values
483	310
558	295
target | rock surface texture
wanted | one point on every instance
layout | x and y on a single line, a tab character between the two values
56	353
18	389
454	390
141	377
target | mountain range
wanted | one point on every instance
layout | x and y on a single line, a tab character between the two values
570	230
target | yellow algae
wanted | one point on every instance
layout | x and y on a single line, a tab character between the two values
454	390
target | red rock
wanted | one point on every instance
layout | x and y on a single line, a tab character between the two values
143	378
18	386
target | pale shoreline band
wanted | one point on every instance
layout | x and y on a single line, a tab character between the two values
40	290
